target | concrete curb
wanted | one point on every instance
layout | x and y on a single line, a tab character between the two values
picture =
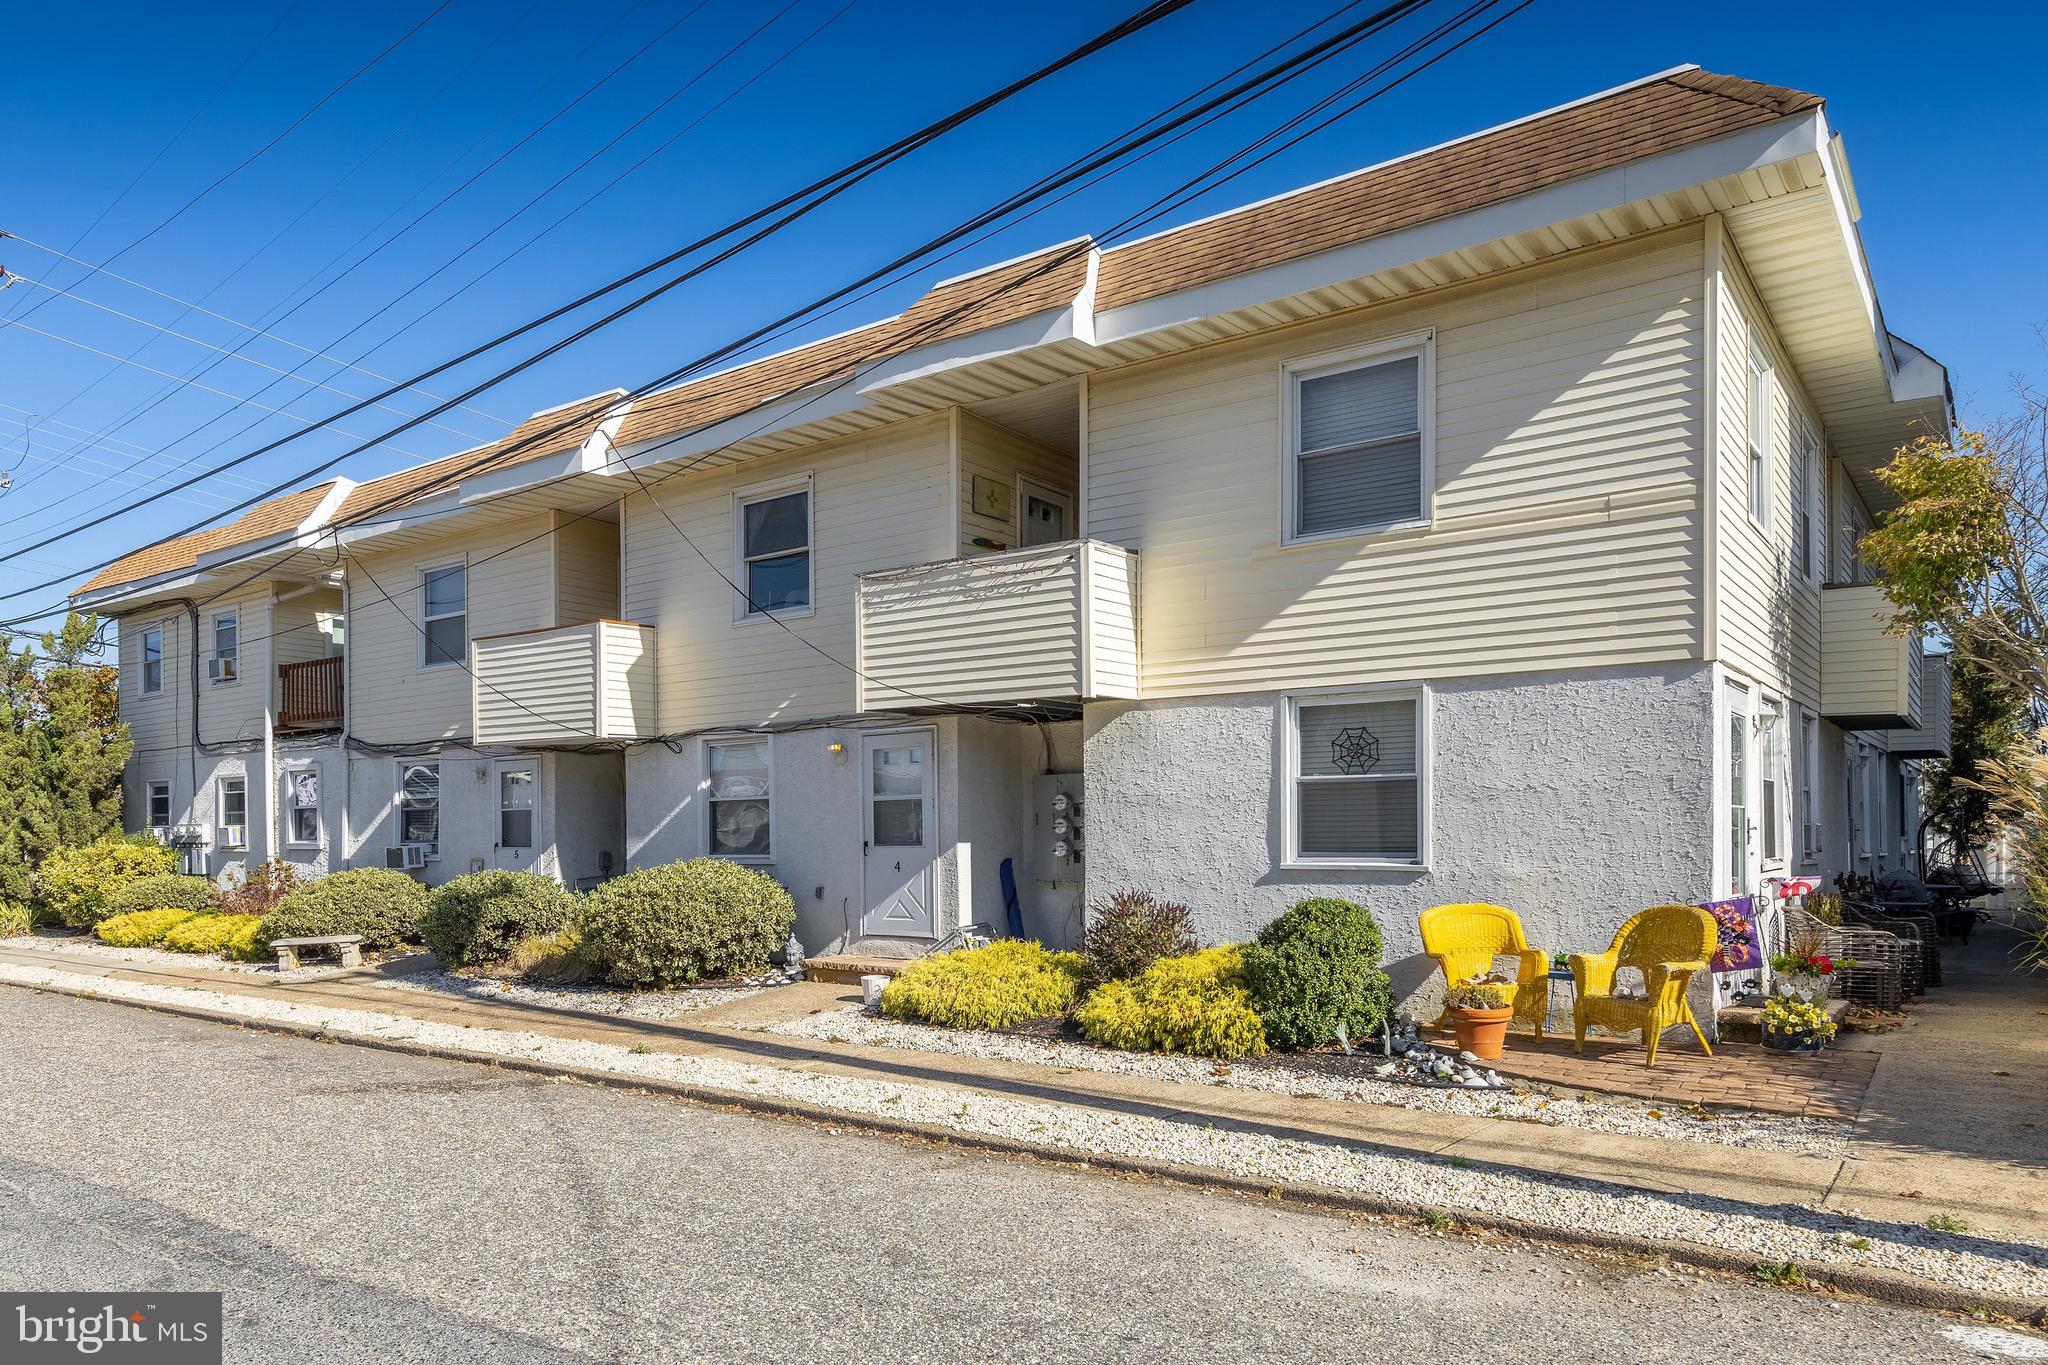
1882	1285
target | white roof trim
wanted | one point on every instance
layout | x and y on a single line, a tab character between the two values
1014	260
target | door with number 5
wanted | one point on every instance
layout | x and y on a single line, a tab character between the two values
899	834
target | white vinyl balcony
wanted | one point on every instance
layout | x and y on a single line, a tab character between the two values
1044	624
1929	739
1870	679
563	684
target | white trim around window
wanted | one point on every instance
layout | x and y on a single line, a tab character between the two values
1388	769
1811	833
1418	351
1773	783
416	802
151	664
430	613
745	563
739	804
1757	412
233	800
300	797
224	666
156	804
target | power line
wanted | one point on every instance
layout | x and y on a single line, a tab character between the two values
817	193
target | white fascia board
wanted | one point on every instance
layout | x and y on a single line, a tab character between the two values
496	483
820	402
440	507
1055	325
1782	140
175	584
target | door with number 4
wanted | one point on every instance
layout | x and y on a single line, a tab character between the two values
899	834
516	784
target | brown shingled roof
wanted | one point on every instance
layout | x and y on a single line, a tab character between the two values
277	517
532	439
1657	116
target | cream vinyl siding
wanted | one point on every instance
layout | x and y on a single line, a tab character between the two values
302	627
164	719
1769	616
235	710
586	569
996	452
1867	671
1018	626
880	500
394	700
573	684
1569	406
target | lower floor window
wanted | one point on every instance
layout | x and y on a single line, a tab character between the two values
159	800
739	797
234	811
419	806
302	802
1356	779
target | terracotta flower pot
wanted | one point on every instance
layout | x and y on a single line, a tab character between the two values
1482	1032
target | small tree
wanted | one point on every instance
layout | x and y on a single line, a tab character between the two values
62	748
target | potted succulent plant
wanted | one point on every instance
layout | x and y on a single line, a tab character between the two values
1796	1025
1480	1008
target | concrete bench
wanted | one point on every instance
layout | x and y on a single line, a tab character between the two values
347	946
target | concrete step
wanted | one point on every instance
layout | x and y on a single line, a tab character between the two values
849	968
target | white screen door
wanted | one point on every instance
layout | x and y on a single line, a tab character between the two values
516	815
1045	515
900	835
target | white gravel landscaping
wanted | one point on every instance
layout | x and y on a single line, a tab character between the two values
1768	1233
589	999
1771	1132
158	957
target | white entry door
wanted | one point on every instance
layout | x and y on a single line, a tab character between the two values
900	835
1045	515
517	784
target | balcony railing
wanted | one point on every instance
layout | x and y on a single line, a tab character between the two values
309	694
564	684
1048	623
1869	678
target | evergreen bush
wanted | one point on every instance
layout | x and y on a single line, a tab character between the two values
1316	967
995	986
685	922
481	917
1195	1004
382	905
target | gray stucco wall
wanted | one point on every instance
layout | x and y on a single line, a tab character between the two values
1573	798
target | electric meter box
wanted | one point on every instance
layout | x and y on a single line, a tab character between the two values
1059	827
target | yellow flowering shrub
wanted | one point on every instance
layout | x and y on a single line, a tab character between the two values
139	928
1783	1014
75	883
1196	1004
996	986
214	934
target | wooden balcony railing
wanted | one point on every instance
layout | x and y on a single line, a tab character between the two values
309	693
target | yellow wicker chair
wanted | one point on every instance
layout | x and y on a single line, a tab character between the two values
1667	944
1465	939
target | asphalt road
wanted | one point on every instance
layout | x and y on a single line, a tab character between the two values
360	1206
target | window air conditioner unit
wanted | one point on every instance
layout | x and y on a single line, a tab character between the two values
231	836
405	857
220	670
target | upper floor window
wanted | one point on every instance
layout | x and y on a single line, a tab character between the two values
1759	430
773	535
444	616
225	665
1358	442
1806	487
152	661
1354	772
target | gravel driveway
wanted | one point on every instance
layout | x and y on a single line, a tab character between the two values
359	1205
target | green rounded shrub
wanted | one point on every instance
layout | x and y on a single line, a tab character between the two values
1316	967
163	891
382	905
995	986
75	884
483	916
214	934
685	922
139	928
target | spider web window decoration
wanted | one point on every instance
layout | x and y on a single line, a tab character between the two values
1355	750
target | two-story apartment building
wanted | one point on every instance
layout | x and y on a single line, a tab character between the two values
1480	525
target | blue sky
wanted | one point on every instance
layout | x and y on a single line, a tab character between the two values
1941	109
